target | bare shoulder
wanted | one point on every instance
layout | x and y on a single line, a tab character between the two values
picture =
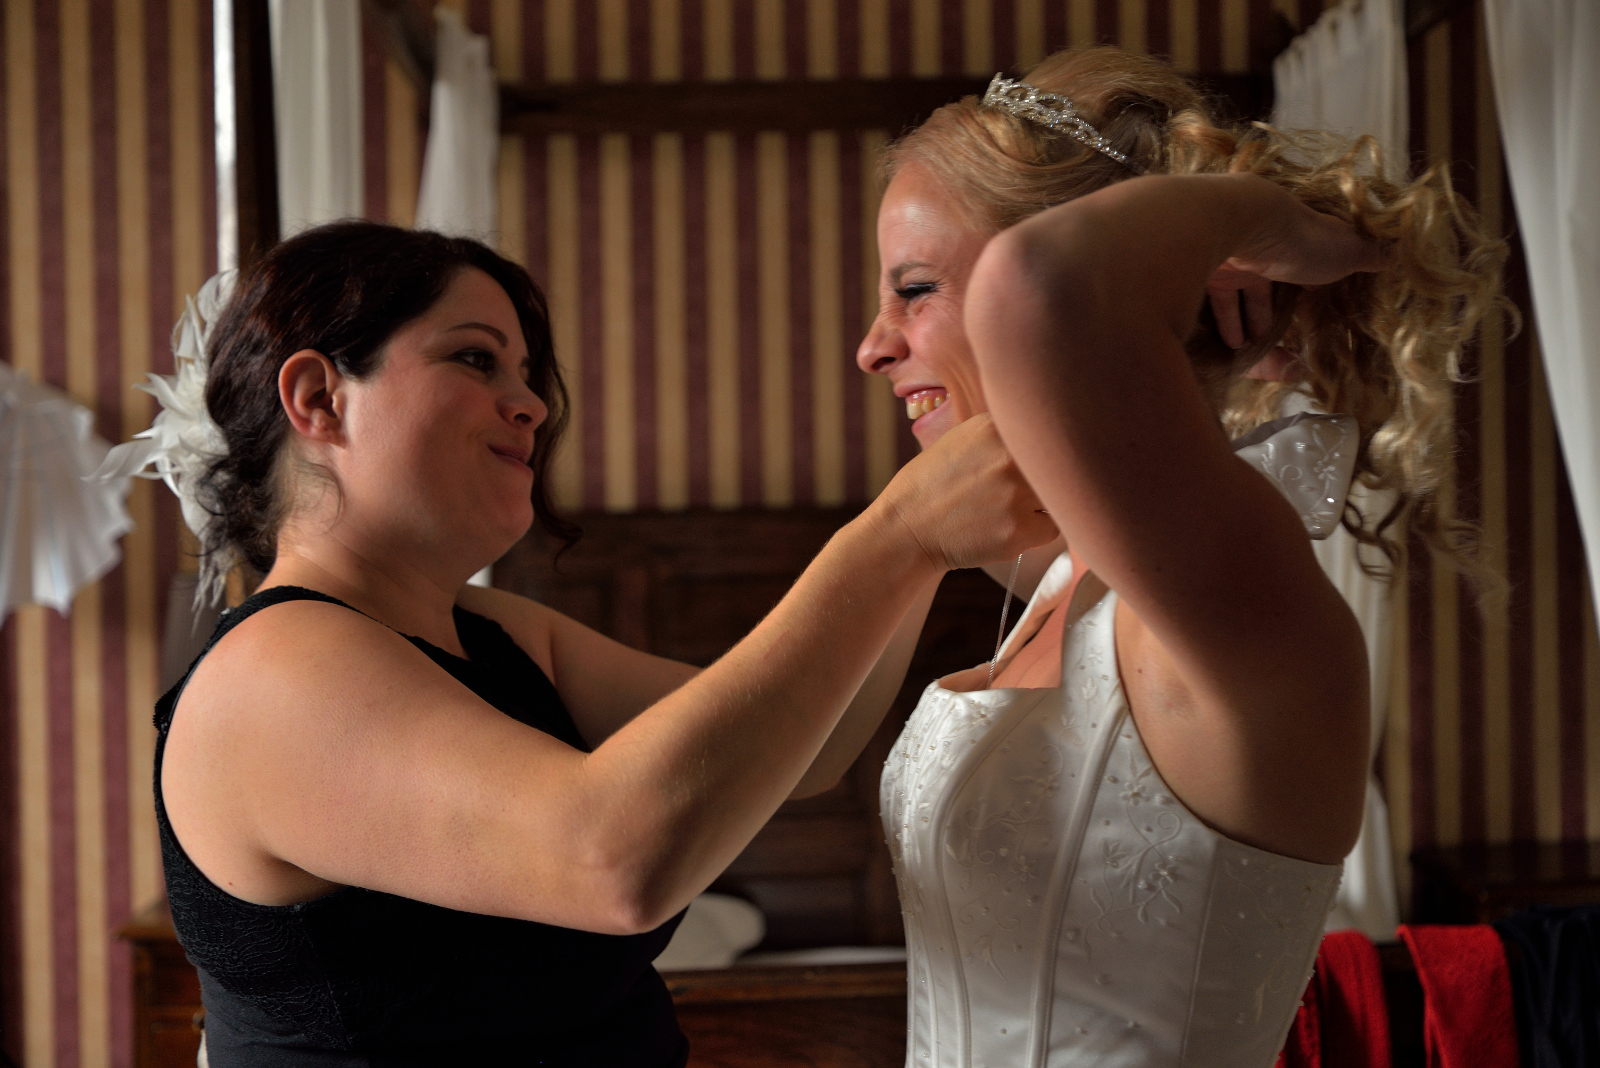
262	718
290	665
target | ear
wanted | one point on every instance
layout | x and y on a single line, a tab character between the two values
310	388
1279	365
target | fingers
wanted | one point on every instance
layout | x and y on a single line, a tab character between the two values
1257	306
965	501
1228	289
1224	299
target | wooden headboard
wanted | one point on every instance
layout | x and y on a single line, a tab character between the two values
688	585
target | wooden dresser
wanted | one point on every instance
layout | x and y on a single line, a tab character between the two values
1480	884
167	1016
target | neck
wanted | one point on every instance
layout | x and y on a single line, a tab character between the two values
394	588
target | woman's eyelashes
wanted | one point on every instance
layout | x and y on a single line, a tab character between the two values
909	293
478	359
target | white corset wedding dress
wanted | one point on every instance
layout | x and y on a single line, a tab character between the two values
1062	907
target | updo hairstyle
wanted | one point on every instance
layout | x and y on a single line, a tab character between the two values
342	290
1384	348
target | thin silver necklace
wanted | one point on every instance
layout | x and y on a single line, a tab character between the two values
1005	610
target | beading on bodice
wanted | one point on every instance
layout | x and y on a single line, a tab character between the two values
1062	906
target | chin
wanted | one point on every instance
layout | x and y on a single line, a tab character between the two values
927	436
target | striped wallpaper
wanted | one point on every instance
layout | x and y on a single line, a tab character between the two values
106	214
707	293
708	290
1496	735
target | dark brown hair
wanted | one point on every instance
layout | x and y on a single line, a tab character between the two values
342	290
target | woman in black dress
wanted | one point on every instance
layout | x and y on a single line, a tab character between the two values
408	821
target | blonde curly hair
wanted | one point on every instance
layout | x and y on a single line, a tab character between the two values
1384	348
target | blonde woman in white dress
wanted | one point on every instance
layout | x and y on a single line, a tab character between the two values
1117	845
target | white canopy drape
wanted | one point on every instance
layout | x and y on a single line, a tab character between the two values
316	80
1347	75
458	193
59	530
1544	57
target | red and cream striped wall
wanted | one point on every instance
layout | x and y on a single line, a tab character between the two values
707	293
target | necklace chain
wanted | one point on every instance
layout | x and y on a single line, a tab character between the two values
1005	610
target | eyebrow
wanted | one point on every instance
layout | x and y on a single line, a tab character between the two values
480	326
896	274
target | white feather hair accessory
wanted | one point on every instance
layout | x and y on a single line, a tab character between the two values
183	442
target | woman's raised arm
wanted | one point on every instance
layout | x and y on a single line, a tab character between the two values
1078	319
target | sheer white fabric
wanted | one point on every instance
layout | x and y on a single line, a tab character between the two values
1062	905
59	528
1544	56
1368	901
316	82
458	166
1347	75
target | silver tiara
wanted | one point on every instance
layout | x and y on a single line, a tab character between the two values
1049	109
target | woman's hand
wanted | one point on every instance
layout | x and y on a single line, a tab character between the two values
964	502
1290	243
1287	241
1229	288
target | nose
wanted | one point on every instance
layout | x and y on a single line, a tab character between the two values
524	407
882	348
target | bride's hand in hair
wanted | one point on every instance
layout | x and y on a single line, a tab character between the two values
1230	289
1287	241
964	502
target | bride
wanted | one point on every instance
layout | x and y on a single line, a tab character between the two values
1117	845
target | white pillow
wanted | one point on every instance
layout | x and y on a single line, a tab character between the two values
716	930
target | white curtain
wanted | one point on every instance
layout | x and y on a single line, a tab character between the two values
1367	900
59	529
1347	75
458	193
316	79
1544	56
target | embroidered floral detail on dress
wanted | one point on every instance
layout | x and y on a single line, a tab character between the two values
1136	873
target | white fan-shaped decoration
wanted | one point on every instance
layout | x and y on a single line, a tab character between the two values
58	532
182	440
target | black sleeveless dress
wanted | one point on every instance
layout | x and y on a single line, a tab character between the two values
362	979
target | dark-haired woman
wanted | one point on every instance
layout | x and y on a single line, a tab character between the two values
406	821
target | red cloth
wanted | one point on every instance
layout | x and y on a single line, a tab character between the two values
1343	1021
1468	1019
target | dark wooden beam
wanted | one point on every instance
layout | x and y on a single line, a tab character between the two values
1424	15
741	107
892	104
256	137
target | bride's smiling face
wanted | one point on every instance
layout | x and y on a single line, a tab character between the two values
927	246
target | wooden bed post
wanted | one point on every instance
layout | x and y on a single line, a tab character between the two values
246	137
